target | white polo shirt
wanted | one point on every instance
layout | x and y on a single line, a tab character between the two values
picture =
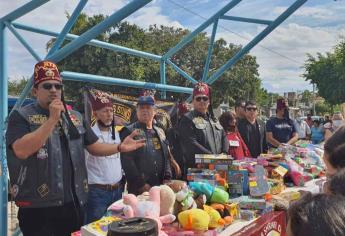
104	169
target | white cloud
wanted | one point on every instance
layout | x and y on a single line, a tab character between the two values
312	12
151	15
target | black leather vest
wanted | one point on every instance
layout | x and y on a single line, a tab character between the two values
38	180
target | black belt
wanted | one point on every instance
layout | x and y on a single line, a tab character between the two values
106	187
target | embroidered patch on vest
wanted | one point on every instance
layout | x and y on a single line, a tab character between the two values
42	153
43	190
37	119
86	186
75	120
199	122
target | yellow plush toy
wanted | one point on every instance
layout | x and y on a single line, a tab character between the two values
215	218
194	219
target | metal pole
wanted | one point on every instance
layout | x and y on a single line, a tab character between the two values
67	75
256	40
3	115
210	48
97	29
23	10
94	42
84	38
23	41
181	72
68	26
189	37
163	78
247	20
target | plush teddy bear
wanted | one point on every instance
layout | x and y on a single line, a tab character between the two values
148	209
185	200
168	199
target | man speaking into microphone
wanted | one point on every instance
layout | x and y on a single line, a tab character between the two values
46	160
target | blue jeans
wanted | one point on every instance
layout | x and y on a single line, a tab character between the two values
99	200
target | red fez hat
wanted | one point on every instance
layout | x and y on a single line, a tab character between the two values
182	108
100	100
281	103
46	70
201	89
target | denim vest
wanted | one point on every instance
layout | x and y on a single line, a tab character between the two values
38	180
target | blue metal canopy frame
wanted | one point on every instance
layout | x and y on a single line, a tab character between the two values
57	54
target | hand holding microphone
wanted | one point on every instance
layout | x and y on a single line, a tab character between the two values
55	109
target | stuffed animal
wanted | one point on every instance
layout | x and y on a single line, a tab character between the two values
213	194
177	185
168	199
200	200
225	212
215	218
194	219
185	200
148	209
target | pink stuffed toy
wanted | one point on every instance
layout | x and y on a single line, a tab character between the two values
148	209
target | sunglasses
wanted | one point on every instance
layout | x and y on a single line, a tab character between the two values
49	86
205	99
251	108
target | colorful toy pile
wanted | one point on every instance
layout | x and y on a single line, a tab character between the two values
223	191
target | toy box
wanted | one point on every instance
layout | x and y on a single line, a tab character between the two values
99	227
247	202
238	183
220	159
201	175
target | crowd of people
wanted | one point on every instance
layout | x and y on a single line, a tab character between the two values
64	173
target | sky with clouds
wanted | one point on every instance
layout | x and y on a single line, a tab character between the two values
315	27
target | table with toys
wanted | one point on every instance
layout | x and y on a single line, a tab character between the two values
222	196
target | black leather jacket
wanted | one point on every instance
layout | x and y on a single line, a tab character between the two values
200	134
138	165
38	180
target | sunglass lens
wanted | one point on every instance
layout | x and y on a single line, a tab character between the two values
205	99
50	86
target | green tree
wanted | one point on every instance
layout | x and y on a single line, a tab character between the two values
242	81
327	72
15	87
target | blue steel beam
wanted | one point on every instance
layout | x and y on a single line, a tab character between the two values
163	77
247	20
189	37
23	10
67	75
3	115
210	48
84	38
22	41
68	26
181	72
256	40
98	29
93	42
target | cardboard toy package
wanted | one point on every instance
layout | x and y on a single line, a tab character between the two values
219	159
201	175
238	183
99	227
250	203
273	223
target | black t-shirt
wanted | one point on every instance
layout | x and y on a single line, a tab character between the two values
282	129
254	141
18	127
155	155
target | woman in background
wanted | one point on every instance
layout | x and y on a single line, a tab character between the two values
237	147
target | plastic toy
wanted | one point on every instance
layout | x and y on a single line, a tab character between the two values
194	219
